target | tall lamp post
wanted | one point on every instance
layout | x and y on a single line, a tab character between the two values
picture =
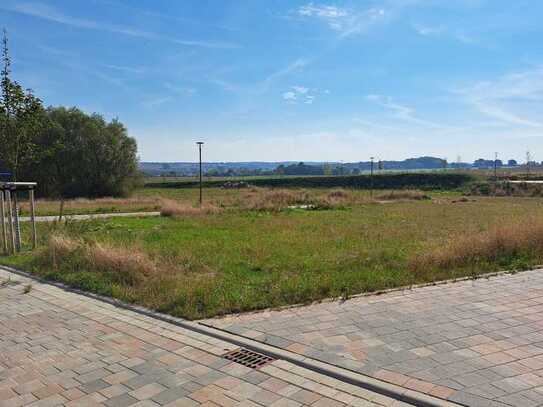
200	143
371	176
496	167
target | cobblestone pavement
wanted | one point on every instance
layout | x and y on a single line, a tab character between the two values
478	343
62	348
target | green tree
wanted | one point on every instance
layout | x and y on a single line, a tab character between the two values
21	118
83	155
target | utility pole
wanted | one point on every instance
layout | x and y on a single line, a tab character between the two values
200	143
371	176
496	166
528	159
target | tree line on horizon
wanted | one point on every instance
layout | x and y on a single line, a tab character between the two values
68	152
233	169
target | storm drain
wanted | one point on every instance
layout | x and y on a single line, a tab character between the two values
248	358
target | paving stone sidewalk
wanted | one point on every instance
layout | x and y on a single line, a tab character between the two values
62	348
477	343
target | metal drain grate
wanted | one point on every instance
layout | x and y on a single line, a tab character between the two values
248	358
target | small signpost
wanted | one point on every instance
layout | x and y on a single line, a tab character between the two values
10	231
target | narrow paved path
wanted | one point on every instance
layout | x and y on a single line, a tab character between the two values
61	348
92	216
477	343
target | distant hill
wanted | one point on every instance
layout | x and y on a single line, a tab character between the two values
252	168
287	167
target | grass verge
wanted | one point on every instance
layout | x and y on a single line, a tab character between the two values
240	259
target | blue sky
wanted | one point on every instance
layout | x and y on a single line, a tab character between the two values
293	80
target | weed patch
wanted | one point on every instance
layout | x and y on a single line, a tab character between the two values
171	208
406	195
517	245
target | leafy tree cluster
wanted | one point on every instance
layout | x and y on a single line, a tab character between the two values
68	152
299	169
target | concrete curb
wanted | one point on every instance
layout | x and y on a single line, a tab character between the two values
380	292
366	382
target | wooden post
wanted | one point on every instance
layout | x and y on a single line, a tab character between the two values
33	218
10	220
3	223
16	220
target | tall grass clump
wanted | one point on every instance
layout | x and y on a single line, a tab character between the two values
515	245
505	188
277	199
171	208
121	265
403	195
280	199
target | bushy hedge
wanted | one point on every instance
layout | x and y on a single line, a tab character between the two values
381	181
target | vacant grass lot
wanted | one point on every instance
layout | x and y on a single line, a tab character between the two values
251	257
151	199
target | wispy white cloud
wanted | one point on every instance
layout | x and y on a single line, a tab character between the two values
151	103
346	22
56	51
289	97
180	90
442	31
225	85
513	99
428	31
332	15
309	99
300	94
125	69
401	112
46	12
300	89
163	16
297	65
262	86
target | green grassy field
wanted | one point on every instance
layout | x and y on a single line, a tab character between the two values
240	259
150	199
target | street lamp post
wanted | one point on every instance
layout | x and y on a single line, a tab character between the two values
371	176
200	143
496	166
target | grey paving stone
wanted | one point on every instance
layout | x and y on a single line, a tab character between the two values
170	395
121	401
94	386
452	335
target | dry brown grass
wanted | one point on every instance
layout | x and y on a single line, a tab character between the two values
129	266
276	199
336	198
339	194
171	208
126	266
280	199
60	247
502	243
403	195
83	205
507	189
